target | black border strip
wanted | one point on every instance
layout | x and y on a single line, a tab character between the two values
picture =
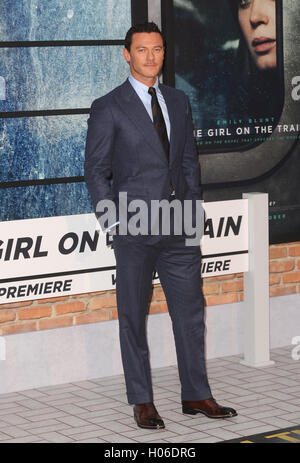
58	274
222	254
139	11
167	25
43	112
60	43
261	438
44	181
98	269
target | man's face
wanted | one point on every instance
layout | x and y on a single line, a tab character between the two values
257	19
146	56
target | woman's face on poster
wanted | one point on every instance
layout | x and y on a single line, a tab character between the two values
257	20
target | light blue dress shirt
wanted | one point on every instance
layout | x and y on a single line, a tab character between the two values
142	91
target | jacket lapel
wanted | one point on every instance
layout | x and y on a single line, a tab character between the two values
136	112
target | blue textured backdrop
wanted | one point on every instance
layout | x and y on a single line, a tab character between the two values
46	78
64	19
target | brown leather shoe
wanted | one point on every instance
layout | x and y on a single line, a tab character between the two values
146	416
208	407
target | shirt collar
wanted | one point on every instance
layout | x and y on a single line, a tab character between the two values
137	85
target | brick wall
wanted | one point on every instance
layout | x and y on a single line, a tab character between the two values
101	306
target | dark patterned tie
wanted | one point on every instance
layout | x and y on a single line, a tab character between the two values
159	122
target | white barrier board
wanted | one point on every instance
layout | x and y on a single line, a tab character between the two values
56	256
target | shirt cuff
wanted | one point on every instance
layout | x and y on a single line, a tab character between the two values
111	227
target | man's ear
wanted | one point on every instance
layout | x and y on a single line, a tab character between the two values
126	55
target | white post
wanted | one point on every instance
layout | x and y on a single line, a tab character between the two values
256	284
2	348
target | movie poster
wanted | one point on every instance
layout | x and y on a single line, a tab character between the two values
237	60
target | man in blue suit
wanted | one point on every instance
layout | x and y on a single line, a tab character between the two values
140	141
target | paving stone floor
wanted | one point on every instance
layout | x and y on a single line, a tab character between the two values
97	411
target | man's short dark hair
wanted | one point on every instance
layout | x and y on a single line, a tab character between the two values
142	27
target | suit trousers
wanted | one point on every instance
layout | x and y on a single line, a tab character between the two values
179	270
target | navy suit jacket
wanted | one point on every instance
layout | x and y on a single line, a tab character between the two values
124	152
